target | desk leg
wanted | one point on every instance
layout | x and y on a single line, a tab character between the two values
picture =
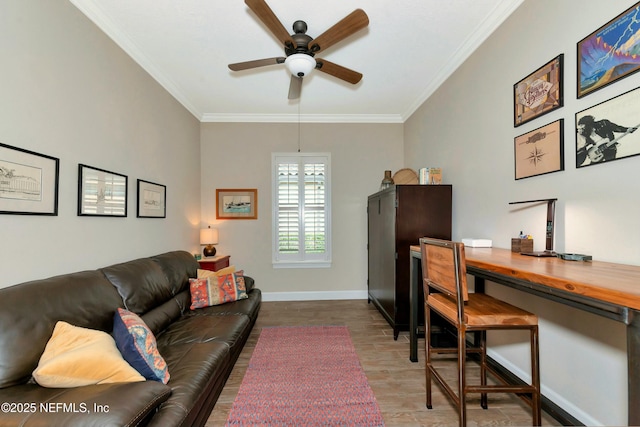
414	283
633	360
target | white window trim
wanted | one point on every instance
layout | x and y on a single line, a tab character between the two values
286	262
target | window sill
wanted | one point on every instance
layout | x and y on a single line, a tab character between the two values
302	264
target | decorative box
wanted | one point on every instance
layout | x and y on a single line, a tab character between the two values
521	245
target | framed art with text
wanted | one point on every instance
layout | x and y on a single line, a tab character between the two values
606	131
28	182
610	53
236	203
539	93
101	193
151	200
540	151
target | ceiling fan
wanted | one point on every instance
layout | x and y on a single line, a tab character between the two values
300	49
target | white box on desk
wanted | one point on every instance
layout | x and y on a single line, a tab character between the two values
477	243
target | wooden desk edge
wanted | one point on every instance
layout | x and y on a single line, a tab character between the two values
613	283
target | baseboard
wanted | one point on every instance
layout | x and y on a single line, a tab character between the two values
559	414
313	296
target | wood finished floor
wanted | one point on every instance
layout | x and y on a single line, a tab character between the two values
398	384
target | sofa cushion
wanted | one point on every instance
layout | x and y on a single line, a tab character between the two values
116	404
197	370
76	357
30	311
138	346
158	318
141	283
217	290
193	329
178	267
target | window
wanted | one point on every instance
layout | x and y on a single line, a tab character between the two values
301	210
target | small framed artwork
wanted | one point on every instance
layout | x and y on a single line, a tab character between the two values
539	93
151	200
610	53
101	193
28	182
236	204
540	151
605	132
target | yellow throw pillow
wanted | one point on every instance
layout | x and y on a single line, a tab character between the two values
77	357
203	274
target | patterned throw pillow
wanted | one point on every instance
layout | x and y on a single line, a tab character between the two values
138	346
218	290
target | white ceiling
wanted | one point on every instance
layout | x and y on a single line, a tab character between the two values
409	48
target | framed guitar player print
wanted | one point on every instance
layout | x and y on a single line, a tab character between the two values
607	131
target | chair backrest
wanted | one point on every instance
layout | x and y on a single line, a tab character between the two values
444	267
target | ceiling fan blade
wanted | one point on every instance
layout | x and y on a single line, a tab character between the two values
239	66
295	87
350	24
338	71
268	18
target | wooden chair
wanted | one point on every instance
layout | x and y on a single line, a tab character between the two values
444	270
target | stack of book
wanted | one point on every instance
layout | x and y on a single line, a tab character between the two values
430	176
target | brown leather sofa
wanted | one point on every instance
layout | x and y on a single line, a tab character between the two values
200	346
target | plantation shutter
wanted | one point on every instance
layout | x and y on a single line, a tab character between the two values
301	230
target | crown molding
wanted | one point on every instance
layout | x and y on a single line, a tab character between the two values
500	13
304	118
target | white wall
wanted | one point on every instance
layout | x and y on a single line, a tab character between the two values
69	92
238	155
467	128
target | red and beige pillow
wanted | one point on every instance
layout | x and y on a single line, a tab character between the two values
215	288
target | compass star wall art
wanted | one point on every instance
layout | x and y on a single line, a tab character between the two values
540	151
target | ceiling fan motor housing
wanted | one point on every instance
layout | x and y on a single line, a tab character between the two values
301	40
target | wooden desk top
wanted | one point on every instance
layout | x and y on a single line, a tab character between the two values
615	283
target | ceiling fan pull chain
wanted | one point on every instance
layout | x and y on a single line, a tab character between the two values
299	126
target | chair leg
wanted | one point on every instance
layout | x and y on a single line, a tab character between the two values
535	378
427	358
462	380
483	368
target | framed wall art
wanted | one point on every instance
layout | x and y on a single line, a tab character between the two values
540	151
539	93
28	182
610	53
151	200
101	193
237	204
606	131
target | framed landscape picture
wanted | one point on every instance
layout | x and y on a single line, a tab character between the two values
28	182
540	151
607	131
101	193
539	93
610	53
236	203
151	200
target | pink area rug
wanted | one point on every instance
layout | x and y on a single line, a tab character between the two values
305	376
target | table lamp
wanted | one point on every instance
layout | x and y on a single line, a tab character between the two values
551	209
209	237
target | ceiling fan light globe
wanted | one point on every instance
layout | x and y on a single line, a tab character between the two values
300	64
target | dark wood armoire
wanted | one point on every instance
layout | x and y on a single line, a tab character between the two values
397	218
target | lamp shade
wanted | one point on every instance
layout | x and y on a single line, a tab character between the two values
300	64
209	236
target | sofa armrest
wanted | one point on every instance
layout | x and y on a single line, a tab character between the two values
115	404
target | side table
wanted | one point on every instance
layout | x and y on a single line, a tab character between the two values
214	263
